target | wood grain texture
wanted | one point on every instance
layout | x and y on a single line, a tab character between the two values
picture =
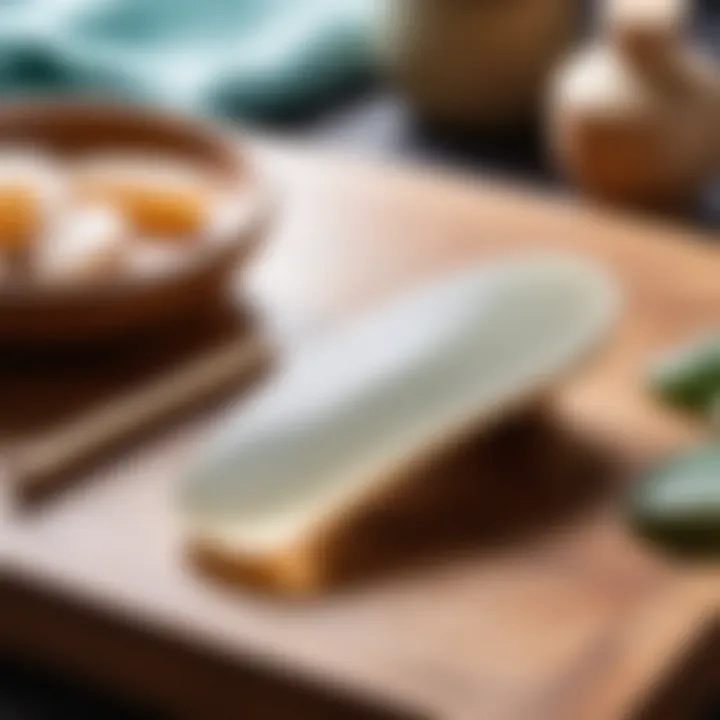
503	586
43	464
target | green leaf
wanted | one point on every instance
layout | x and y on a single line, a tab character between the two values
678	503
689	378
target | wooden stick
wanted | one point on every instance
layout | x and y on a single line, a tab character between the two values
43	465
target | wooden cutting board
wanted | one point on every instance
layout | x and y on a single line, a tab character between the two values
506	585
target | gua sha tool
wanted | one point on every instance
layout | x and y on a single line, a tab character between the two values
340	425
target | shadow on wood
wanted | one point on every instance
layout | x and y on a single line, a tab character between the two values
43	386
522	478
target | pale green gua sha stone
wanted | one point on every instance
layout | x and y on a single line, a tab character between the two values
677	504
342	414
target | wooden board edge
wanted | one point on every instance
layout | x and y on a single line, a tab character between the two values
659	657
164	673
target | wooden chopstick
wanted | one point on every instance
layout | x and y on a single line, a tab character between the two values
41	466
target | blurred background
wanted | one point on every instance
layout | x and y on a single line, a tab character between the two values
458	83
462	82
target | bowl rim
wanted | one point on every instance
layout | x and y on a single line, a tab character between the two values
240	238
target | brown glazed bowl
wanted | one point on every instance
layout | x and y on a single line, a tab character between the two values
36	313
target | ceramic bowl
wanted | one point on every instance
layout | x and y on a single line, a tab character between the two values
33	311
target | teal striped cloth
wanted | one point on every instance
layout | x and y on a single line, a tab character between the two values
247	58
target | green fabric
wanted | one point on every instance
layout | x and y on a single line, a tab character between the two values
250	58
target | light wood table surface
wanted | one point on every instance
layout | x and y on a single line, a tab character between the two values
509	587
